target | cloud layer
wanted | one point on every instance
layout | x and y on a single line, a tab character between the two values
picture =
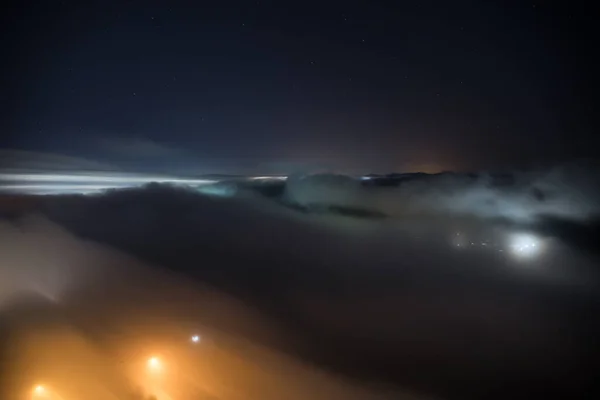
568	192
392	300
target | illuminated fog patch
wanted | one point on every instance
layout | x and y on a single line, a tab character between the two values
525	245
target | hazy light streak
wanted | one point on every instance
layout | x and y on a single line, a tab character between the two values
279	178
99	178
51	183
57	186
82	184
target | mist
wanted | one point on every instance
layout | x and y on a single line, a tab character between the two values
83	297
429	303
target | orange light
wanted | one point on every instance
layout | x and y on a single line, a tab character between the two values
39	390
154	363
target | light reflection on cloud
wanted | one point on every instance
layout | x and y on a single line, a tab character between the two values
110	178
48	183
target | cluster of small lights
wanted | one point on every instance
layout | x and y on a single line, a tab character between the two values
522	245
460	240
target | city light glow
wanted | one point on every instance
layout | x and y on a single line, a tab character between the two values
154	364
525	245
39	390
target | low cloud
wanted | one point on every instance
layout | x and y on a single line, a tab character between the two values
569	192
391	300
59	293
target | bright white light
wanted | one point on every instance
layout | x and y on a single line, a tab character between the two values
525	245
195	339
39	390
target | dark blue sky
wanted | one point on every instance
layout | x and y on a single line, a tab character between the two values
253	85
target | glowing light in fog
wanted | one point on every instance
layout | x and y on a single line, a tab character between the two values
525	245
195	339
39	390
154	364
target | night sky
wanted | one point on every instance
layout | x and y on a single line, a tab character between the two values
269	86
